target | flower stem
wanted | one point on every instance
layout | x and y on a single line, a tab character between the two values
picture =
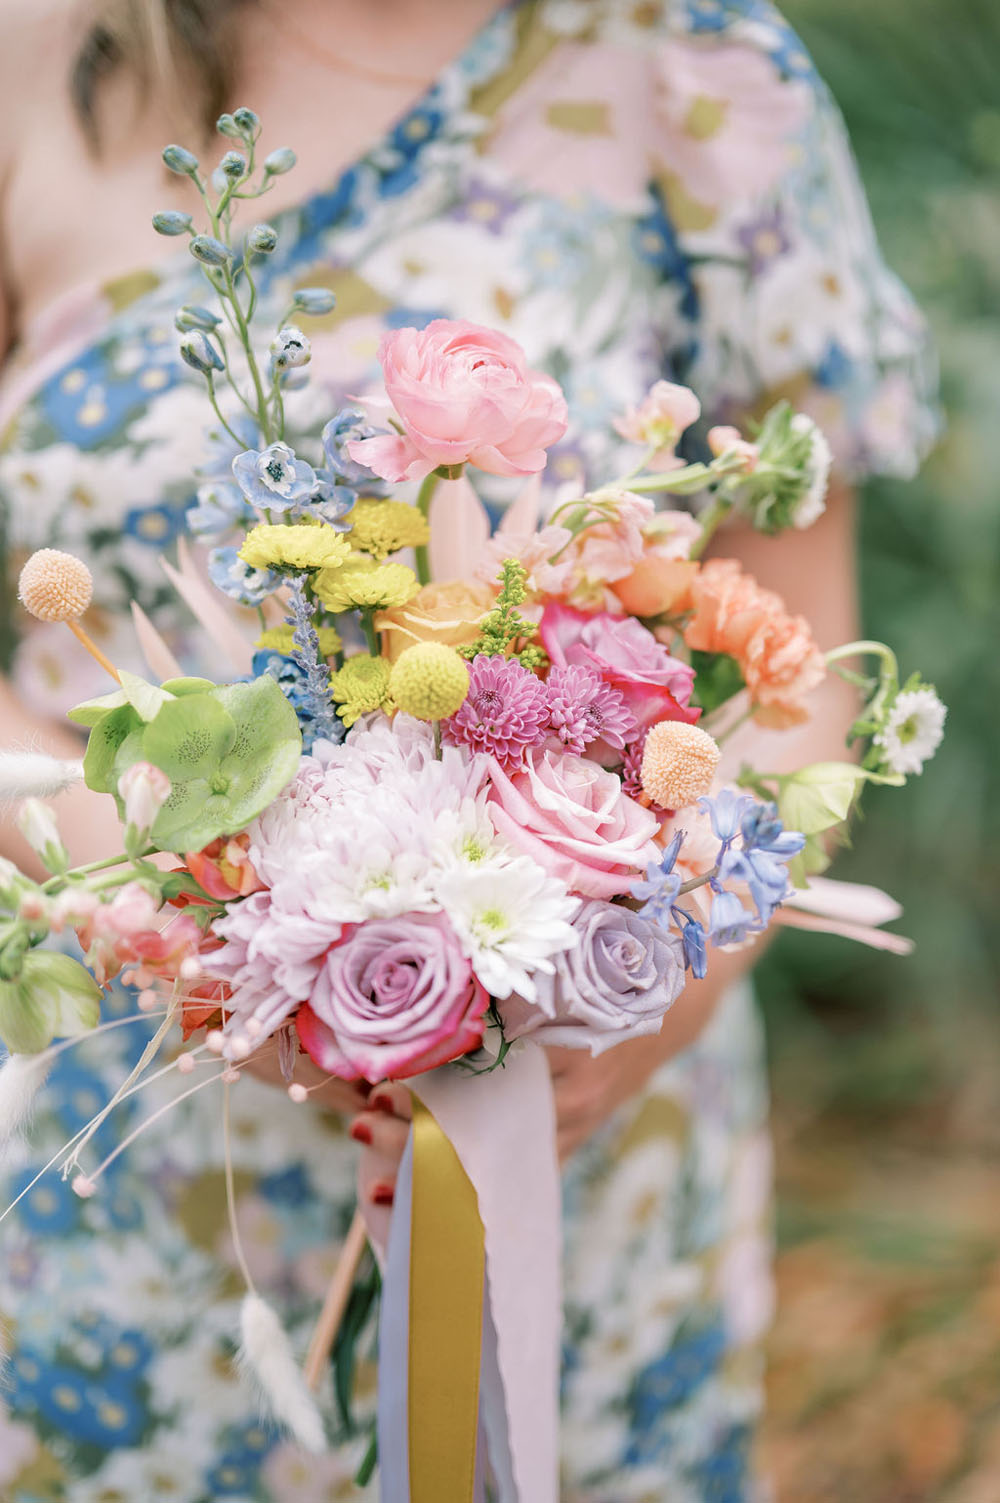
368	627
712	520
423	562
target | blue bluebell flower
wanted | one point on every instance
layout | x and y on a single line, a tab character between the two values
236	579
763	874
693	943
729	922
273	478
725	811
661	886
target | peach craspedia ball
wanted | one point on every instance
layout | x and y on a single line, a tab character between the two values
678	764
55	586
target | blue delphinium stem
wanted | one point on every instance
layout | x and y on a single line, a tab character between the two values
305	653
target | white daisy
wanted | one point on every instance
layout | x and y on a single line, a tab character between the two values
913	731
510	920
812	504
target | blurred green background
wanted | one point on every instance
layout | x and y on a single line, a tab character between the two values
886	1073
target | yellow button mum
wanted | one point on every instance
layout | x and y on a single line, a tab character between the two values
429	680
298	546
279	639
383	527
360	686
363	584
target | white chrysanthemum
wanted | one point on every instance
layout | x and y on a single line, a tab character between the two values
466	838
912	732
812	504
510	920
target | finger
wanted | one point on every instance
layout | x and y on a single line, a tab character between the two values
562	1061
392	1098
386	1135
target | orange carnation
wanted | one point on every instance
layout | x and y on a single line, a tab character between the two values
450	613
777	654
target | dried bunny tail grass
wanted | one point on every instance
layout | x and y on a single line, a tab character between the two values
55	586
21	1078
266	1358
25	774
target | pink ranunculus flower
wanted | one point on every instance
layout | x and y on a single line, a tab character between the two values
462	393
655	685
572	818
396	997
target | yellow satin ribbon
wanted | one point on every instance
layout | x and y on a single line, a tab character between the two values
447	1261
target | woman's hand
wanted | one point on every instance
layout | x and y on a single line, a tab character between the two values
345	1097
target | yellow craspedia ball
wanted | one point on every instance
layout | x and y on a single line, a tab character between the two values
55	586
429	680
678	764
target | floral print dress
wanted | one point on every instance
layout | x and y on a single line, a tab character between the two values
632	190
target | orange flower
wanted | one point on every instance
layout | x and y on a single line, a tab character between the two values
450	613
657	586
223	868
778	657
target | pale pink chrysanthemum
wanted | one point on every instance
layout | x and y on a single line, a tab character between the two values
583	708
506	711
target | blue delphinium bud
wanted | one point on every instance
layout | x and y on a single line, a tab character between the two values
172	222
290	348
180	160
212	252
281	160
247	121
314	300
234	165
262	239
226	126
193	317
198	351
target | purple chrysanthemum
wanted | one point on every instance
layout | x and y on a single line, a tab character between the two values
632	767
506	711
583	708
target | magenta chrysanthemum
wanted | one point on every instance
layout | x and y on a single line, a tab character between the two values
632	767
583	708
506	711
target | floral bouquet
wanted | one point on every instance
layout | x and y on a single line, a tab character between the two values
461	794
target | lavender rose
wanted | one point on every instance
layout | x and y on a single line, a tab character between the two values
394	998
615	983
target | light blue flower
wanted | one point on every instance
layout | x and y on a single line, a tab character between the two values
220	506
729	922
726	811
330	501
346	425
273	478
661	886
236	579
693	941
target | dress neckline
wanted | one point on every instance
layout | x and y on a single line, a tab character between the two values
446	96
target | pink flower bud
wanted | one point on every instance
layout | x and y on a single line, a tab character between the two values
144	789
661	417
726	440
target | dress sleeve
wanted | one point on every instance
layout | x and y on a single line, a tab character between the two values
782	287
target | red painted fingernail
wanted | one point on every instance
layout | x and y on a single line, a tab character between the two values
382	1195
381	1104
361	1132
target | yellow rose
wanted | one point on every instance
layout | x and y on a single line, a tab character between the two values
449	613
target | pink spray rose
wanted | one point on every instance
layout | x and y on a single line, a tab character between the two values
462	393
394	998
655	686
571	816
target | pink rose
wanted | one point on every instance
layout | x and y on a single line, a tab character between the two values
572	817
655	685
462	393
396	997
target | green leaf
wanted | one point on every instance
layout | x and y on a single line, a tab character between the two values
189	737
106	740
180	686
820	796
92	711
26	1017
717	679
145	698
75	995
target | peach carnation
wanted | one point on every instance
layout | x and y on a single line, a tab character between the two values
778	657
